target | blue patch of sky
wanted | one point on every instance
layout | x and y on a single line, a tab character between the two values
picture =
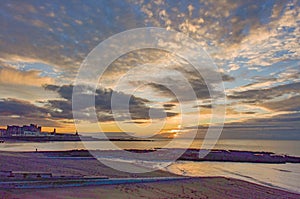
266	11
281	53
242	12
273	71
46	70
264	72
288	29
239	80
4	12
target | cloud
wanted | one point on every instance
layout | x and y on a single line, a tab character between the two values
233	67
227	78
20	108
159	73
196	82
17	77
25	84
280	127
257	45
26	92
14	111
60	109
234	28
289	104
266	94
162	89
169	106
65	41
283	126
138	107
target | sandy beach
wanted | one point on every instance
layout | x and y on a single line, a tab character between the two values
195	188
150	99
215	187
204	187
32	161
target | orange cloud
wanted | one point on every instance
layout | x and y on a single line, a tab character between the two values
16	77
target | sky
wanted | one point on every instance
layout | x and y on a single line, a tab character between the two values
255	46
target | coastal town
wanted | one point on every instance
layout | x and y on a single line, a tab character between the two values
25	130
34	133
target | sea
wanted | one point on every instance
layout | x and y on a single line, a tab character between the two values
281	176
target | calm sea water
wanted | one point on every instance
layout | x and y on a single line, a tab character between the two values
290	147
284	176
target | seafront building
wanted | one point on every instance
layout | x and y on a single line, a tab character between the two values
34	132
25	130
2	132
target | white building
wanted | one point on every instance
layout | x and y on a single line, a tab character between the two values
31	133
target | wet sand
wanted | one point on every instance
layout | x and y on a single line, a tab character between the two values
32	162
204	187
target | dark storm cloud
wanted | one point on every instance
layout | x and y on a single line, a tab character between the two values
200	88
20	108
15	111
249	112
227	78
64	91
282	121
171	114
169	106
60	109
284	126
266	94
290	104
103	97
196	82
199	84
162	89
208	106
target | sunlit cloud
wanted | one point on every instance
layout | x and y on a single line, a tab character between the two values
256	47
16	77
